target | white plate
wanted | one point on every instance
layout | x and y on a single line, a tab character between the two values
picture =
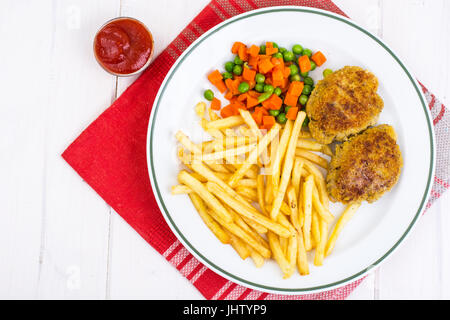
377	229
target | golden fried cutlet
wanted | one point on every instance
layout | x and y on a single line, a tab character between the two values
365	166
343	104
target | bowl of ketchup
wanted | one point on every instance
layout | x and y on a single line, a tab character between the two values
123	46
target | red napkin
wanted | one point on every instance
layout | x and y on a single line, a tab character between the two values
110	155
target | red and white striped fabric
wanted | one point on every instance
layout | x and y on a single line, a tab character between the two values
110	156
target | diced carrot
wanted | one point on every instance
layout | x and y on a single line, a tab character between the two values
264	57
242	52
242	97
318	58
253	51
251	101
253	93
229	84
286	72
268	120
265	66
296	88
215	104
277	62
251	83
304	63
292	113
257	116
235	86
248	74
229	95
220	85
277	77
236	105
236	46
266	127
227	111
290	100
262	110
273	103
214	76
253	62
271	51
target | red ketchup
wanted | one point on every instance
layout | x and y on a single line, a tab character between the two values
123	46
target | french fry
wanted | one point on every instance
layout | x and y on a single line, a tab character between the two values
215	133
292	198
296	174
320	248
247	211
248	193
302	258
239	246
252	157
255	131
268	196
288	164
212	115
224	123
292	245
203	192
312	157
260	193
249	183
320	182
314	146
278	254
307	210
343	219
211	176
315	226
305	134
200	109
279	150
181	189
258	259
218	155
321	210
208	220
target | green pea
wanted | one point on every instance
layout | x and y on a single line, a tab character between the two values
227	75
262	49
305	122
304	74
260	78
243	87
303	99
313	66
264	96
238	60
237	70
307	90
294	77
288	56
286	108
327	72
282	50
297	49
209	95
275	45
278	55
268	88
308	81
281	118
307	52
277	91
259	87
274	112
229	66
294	69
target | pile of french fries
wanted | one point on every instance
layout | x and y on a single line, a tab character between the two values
261	192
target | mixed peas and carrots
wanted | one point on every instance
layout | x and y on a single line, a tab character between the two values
273	82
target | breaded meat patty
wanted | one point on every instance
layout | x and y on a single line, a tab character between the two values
343	104
366	166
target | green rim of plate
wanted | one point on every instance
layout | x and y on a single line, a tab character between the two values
209	263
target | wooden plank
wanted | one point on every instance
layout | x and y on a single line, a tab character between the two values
136	269
75	221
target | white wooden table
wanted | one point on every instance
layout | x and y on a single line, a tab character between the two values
59	239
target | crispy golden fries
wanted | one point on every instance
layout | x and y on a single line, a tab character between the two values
263	194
